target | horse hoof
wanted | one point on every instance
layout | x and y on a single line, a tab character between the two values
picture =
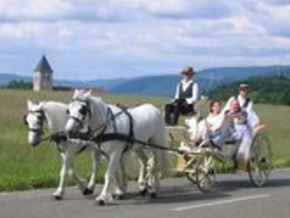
101	202
118	196
143	192
87	191
153	195
57	197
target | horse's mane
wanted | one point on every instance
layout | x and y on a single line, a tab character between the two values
98	110
56	115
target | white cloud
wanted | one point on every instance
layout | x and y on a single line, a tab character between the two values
146	34
34	9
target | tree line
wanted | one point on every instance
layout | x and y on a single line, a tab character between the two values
265	90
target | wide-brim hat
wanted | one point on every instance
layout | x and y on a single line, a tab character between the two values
243	86
188	71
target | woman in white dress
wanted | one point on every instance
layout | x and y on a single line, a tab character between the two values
215	128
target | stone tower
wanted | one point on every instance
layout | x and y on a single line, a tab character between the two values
42	75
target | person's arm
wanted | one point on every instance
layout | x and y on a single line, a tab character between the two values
227	106
250	107
194	97
177	91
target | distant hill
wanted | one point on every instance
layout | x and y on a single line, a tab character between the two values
149	85
216	77
164	85
108	84
269	90
7	78
208	79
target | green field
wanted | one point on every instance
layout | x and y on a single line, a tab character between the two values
25	167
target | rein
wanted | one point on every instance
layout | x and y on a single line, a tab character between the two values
123	137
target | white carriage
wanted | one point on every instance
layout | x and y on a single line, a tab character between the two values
199	163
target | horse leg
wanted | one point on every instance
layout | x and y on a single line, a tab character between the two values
121	184
110	177
142	183
157	164
81	182
72	148
152	176
95	155
58	194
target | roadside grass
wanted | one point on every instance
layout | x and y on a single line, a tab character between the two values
25	167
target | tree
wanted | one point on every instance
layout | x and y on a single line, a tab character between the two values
15	84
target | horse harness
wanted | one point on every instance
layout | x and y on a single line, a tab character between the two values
129	138
105	137
85	109
57	138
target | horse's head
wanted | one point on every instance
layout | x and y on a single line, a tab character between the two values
78	111
34	120
86	112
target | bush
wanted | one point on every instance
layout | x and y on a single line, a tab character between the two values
15	84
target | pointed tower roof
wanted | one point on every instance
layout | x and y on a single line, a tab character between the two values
43	66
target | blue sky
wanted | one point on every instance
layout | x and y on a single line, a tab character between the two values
92	39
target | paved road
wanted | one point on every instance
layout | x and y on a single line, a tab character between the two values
235	198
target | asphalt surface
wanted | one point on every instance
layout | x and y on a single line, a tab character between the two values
235	197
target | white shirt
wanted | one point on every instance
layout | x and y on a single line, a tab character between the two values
241	101
209	125
185	85
252	118
214	122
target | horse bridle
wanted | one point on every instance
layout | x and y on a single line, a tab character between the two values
41	121
102	127
84	111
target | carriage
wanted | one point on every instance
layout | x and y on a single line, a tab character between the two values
103	121
199	164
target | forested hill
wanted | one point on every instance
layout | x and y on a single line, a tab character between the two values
270	90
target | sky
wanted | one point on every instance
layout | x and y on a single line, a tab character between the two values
104	39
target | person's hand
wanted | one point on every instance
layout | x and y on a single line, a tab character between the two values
182	102
232	116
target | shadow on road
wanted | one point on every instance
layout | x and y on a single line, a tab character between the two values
233	185
186	192
172	194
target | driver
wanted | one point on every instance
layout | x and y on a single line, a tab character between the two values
186	96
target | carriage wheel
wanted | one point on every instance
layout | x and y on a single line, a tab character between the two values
205	174
191	177
190	172
260	164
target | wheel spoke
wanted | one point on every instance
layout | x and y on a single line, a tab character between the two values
261	160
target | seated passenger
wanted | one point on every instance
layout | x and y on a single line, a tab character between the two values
219	127
246	104
242	132
212	124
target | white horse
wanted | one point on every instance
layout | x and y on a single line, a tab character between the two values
55	114
148	126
